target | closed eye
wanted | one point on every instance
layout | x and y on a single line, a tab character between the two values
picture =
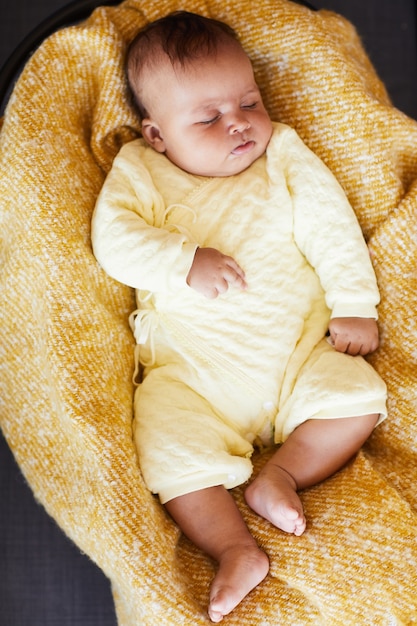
253	105
212	120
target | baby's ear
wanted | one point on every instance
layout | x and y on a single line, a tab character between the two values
152	135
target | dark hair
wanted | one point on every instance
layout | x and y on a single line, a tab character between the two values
182	36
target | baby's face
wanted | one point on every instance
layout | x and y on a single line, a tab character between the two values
207	117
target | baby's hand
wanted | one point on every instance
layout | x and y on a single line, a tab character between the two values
354	335
213	272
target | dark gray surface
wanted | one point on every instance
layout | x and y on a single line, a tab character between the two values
19	17
44	580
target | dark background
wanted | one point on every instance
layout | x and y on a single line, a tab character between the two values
44	580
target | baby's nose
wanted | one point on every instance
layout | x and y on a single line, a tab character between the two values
239	125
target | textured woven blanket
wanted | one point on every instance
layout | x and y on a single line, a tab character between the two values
66	351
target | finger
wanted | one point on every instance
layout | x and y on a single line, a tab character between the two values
368	348
235	267
210	292
222	285
353	349
357	348
341	344
236	281
235	277
240	282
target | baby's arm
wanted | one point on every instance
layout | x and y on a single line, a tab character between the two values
213	272
354	335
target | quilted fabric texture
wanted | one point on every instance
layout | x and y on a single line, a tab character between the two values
66	351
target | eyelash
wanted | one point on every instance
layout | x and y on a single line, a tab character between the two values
217	117
212	121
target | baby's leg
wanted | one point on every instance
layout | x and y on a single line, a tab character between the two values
314	451
212	521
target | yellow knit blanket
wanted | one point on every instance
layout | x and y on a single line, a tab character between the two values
67	352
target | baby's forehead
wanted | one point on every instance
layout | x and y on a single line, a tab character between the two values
196	80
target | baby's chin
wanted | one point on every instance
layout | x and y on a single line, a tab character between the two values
234	165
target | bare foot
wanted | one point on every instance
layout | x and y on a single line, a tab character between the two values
273	495
241	569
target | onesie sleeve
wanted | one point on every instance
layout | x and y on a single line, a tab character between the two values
127	231
327	231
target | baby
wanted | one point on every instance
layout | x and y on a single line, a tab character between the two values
256	298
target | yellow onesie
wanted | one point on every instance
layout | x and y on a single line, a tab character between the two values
220	375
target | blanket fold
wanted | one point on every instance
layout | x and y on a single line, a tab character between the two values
66	350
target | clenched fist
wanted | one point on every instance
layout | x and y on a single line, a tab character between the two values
212	273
